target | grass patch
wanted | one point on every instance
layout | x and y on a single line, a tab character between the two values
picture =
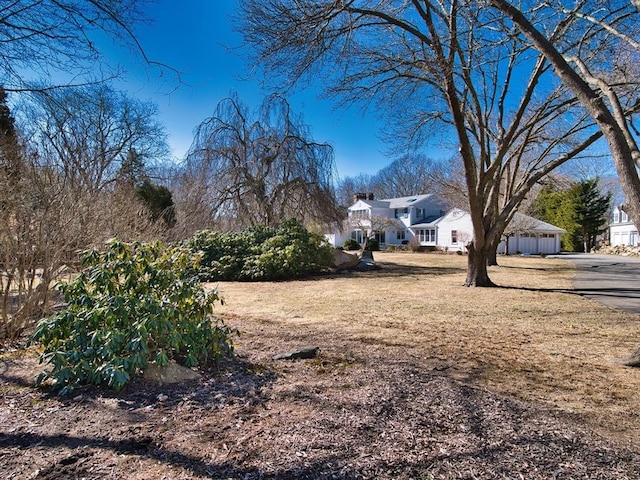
530	337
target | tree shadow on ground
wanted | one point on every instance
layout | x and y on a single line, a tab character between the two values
400	421
539	269
70	464
582	292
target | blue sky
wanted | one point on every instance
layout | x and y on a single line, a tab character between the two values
194	37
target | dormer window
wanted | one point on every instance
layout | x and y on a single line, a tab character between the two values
401	212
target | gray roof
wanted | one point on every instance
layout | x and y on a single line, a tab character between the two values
406	202
537	225
400	202
376	203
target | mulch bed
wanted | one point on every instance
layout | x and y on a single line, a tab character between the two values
357	411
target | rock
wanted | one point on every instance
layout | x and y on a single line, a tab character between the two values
305	352
172	373
343	260
623	250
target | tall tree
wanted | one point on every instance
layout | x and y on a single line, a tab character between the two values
349	187
580	208
411	174
14	262
591	209
261	168
604	81
455	64
91	133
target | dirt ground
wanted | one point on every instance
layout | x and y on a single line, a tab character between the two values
417	377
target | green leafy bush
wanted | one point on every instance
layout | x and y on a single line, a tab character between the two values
261	253
133	304
351	244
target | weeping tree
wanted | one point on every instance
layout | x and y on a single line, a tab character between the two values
257	168
454	65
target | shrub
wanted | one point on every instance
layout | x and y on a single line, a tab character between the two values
351	244
132	305
414	244
261	254
222	254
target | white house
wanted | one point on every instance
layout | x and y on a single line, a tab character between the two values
622	231
432	222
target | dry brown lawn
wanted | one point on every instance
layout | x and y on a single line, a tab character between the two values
531	339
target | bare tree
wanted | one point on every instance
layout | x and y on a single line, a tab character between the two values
349	187
60	195
411	174
90	131
455	64
260	169
603	87
371	225
52	43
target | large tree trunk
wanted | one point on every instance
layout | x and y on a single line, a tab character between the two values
477	274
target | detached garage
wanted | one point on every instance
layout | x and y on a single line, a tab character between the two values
531	236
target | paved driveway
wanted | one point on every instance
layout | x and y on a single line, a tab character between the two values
613	280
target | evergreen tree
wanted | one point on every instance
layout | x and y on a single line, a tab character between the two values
554	205
9	146
133	169
591	208
580	209
159	200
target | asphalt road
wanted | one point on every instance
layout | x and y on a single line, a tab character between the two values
613	280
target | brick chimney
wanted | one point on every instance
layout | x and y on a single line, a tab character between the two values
359	196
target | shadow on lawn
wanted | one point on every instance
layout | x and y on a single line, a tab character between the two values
391	269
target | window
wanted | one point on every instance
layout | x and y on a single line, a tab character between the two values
400	235
547	235
357	236
454	236
426	235
616	217
359	214
401	212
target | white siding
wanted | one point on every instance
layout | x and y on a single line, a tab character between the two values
455	221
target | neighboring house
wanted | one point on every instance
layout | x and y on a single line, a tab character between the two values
432	222
622	231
